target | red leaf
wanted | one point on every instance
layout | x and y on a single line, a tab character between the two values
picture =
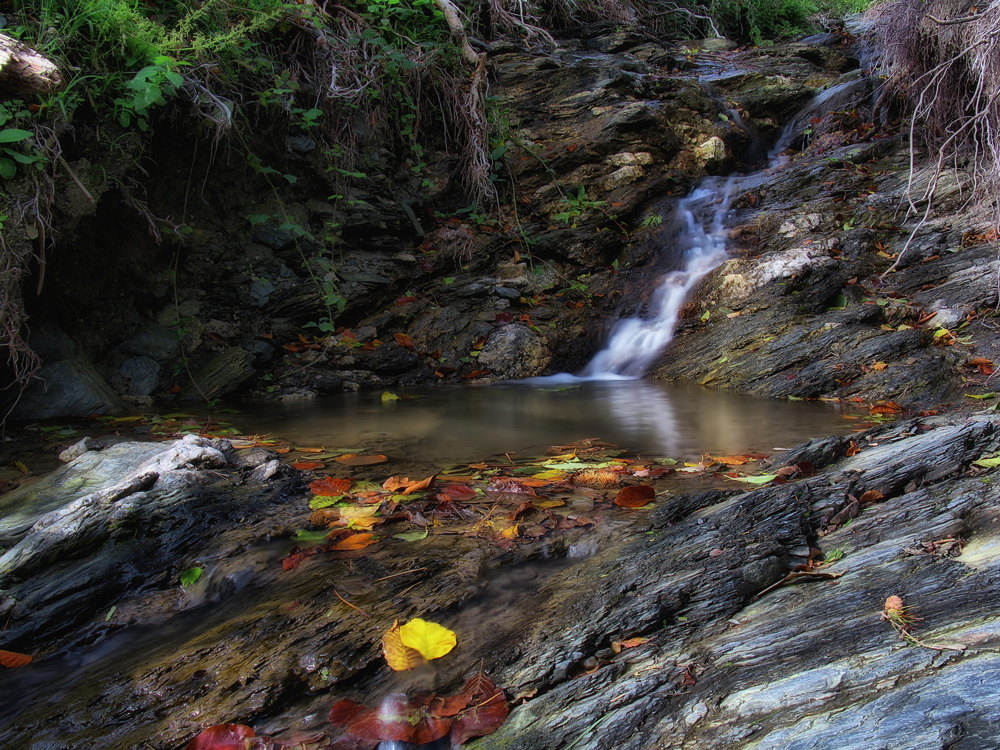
405	300
459	491
221	737
397	719
488	710
329	486
354	459
635	497
476	374
308	465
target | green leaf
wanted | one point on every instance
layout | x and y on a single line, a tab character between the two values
110	614
324	501
988	463
19	157
388	396
7	168
310	537
190	577
759	479
981	396
13	135
411	536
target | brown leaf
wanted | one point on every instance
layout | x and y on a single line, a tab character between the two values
635	497
308	465
403	340
353	459
853	449
12	659
871	496
330	486
486	714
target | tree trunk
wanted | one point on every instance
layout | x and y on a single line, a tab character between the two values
23	71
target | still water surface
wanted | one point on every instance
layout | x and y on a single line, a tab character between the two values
445	426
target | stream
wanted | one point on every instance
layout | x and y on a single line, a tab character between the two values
179	644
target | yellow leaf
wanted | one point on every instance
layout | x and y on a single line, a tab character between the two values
354	511
398	656
430	639
511	532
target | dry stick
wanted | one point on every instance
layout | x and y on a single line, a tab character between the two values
351	605
405	572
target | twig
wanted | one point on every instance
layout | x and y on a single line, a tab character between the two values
351	605
405	572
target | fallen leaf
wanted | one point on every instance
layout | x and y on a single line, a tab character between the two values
487	712
635	496
330	486
12	659
431	640
308	465
619	646
353	459
222	737
353	542
853	449
759	479
403	340
411	536
408	486
398	655
388	396
871	496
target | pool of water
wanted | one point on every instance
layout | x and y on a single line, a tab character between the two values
446	426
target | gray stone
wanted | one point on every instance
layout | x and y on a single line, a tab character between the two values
507	293
78	449
68	388
514	352
153	341
276	239
261	290
142	374
222	374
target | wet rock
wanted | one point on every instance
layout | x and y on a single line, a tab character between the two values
514	352
78	449
142	375
226	372
392	359
152	341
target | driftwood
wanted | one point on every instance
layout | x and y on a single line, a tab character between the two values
24	71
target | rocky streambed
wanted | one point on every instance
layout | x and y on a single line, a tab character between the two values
716	618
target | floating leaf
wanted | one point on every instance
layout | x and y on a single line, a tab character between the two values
354	459
353	542
411	536
759	479
190	577
431	640
356	511
397	719
388	396
222	737
487	711
364	523
407	485
308	465
635	497
330	486
12	659
398	656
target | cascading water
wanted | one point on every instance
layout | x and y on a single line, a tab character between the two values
635	342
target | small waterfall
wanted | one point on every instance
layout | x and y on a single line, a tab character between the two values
635	342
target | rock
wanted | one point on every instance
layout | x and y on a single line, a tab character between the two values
142	375
514	352
223	374
71	387
392	359
153	341
78	449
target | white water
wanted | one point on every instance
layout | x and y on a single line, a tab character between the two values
636	342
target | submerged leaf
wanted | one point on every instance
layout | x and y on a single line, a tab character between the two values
221	737
12	659
635	497
430	639
355	459
308	465
355	541
190	577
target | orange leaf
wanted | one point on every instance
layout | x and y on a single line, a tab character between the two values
355	541
330	486
310	450
730	460
635	496
403	340
12	659
853	449
354	459
308	465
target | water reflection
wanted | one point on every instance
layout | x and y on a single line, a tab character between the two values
467	424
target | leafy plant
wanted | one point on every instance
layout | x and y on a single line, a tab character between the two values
576	206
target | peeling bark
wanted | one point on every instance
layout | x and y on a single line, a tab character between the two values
23	71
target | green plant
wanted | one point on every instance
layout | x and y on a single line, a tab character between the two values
576	206
650	221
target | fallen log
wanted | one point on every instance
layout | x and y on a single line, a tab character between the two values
23	71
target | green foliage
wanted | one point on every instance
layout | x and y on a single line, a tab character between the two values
760	20
576	206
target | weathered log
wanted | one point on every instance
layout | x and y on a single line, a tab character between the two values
24	71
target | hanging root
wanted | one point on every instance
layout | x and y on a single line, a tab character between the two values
945	61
